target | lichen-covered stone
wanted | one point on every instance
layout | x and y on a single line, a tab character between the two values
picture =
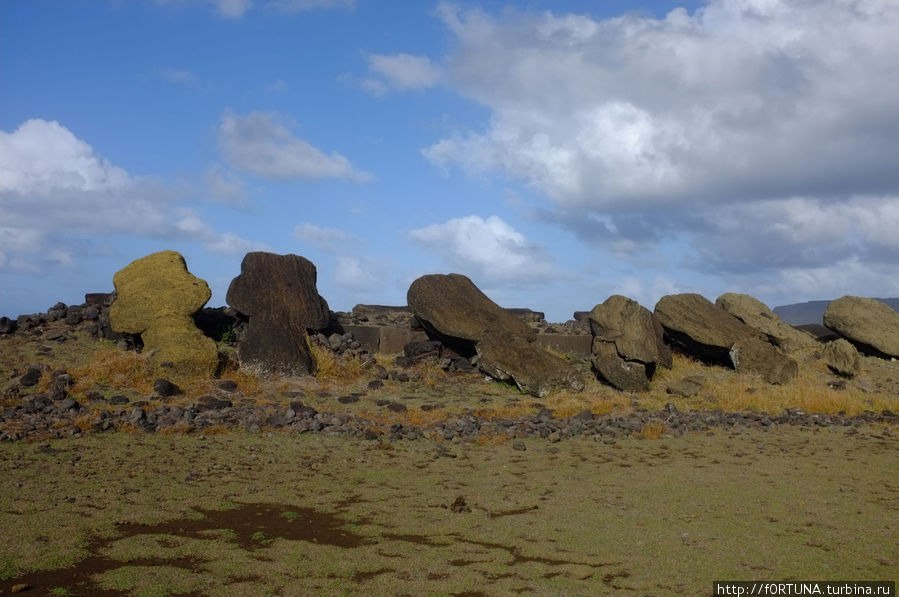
627	343
708	332
842	358
451	305
156	297
756	314
507	357
452	309
751	355
872	326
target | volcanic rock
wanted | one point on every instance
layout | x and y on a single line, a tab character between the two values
872	326
686	387
507	357
279	296
632	376
751	355
696	326
757	315
628	343
7	325
842	358
708	332
156	297
452	308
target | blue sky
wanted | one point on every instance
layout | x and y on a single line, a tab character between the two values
554	152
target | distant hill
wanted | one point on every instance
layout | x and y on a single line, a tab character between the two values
813	311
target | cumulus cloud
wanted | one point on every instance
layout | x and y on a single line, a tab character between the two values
190	225
262	144
798	232
739	99
56	193
358	274
42	156
489	250
326	239
224	186
400	72
763	133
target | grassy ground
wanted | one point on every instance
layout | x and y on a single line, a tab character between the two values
285	514
149	515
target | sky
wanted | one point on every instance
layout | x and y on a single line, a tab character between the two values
556	152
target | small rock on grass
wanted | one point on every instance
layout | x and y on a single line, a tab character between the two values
579	571
165	388
31	377
519	445
460	506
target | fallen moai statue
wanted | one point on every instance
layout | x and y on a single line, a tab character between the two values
452	309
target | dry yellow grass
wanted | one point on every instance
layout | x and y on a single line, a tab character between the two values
331	367
492	439
732	391
430	374
115	369
652	430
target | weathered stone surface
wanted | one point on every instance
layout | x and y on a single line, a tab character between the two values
7	325
451	306
631	376
622	326
820	333
527	315
686	387
505	356
872	326
708	332
579	345
156	297
842	358
279	296
751	355
452	309
696	326
757	315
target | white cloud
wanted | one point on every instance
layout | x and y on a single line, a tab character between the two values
830	281
58	196
225	186
739	99
358	275
326	239
261	143
190	225
400	72
798	232
42	156
760	134
489	249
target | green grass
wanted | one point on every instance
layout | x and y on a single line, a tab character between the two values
661	517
